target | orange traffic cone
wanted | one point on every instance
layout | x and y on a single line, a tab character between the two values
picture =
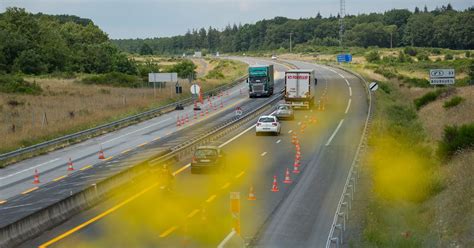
201	113
70	166
275	184
36	177
296	167
101	154
287	177
207	111
178	121
187	119
252	196
182	121
222	105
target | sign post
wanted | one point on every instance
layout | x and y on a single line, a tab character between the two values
344	58
442	76
235	210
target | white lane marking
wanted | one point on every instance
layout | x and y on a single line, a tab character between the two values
347	82
348	105
278	141
138	130
263	154
299	123
334	133
290	131
350	91
31	168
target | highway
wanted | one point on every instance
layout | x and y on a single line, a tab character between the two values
196	213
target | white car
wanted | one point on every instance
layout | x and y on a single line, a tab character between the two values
268	124
274	57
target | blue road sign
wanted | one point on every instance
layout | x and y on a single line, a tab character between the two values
344	58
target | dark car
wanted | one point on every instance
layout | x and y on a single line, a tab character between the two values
207	159
284	111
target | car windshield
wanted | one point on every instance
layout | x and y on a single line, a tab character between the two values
283	107
266	119
205	153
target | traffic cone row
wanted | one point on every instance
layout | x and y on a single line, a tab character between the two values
275	185
36	179
178	121
70	166
287	177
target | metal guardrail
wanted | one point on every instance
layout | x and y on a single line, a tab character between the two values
130	119
338	227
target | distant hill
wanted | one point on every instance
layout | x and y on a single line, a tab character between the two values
442	27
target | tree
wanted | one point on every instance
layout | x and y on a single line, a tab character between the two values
184	68
419	30
391	29
417	10
145	49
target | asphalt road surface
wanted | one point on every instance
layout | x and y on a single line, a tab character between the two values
196	212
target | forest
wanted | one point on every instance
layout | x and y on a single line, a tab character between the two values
442	27
39	44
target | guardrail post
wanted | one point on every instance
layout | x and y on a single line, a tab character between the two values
348	203
343	215
95	190
351	187
335	241
341	232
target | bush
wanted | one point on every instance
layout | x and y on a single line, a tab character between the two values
453	102
16	84
372	57
386	72
422	57
410	51
427	98
448	57
417	82
456	138
117	79
468	54
385	87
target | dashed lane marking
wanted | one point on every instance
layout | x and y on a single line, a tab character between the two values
29	190
168	231
334	133
142	144
31	168
278	141
106	159
86	167
211	198
181	169
123	152
263	154
59	178
350	91
348	105
194	212
225	186
2	202
240	174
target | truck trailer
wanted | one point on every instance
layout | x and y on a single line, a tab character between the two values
300	88
261	80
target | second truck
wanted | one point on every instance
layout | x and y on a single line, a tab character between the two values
261	80
300	88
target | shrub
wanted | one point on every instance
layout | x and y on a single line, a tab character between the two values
117	79
453	102
448	57
16	84
427	98
456	138
468	54
372	56
385	87
410	51
417	82
386	72
422	57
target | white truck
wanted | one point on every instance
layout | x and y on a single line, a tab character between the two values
300	88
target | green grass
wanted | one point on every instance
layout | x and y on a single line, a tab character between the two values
427	98
455	101
116	79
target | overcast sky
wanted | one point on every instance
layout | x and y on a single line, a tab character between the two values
158	18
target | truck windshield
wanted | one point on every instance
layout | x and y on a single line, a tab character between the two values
253	80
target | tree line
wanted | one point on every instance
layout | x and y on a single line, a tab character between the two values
442	27
39	43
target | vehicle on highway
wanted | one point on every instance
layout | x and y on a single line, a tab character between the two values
261	80
284	111
299	88
274	57
208	159
268	124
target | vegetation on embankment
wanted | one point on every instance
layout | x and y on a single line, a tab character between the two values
417	175
67	105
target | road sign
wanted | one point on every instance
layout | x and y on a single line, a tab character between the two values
346	58
442	76
162	77
195	89
373	86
